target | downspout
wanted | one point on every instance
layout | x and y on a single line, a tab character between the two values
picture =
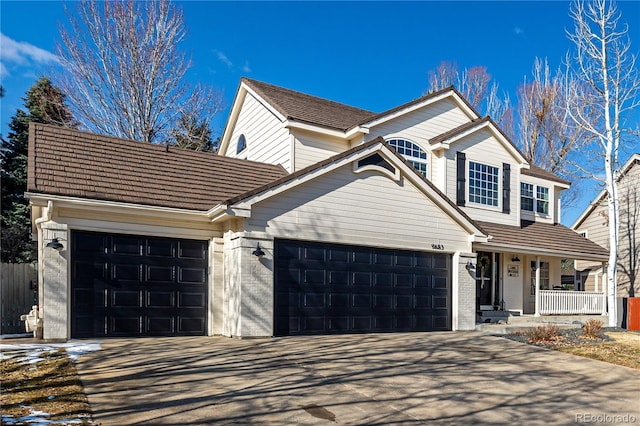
48	214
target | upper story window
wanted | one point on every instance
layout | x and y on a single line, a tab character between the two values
483	184
526	196
542	200
242	144
534	198
416	156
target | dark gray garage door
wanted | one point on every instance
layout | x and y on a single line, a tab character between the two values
331	288
127	285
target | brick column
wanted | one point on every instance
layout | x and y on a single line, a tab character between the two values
464	291
55	282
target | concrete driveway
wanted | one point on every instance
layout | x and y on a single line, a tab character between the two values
412	378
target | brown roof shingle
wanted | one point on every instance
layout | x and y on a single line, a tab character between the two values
536	236
77	164
305	108
539	172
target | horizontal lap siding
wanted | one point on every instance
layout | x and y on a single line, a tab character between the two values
267	139
482	147
310	149
597	229
423	124
366	209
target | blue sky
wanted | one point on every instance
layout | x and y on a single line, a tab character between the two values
373	55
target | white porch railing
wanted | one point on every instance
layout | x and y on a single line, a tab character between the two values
570	302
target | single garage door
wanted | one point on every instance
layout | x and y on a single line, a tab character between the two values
331	288
128	285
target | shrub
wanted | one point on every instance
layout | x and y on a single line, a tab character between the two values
592	329
549	333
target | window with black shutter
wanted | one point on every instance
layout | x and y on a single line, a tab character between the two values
461	178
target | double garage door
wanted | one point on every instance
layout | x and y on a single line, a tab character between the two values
330	288
127	285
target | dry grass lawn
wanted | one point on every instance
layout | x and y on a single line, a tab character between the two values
623	350
51	386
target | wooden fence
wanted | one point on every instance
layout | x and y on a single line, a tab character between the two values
18	284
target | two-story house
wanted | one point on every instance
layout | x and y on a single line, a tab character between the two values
314	217
593	224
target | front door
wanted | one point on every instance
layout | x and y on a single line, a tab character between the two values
487	276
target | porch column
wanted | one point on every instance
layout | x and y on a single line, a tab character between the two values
537	301
604	289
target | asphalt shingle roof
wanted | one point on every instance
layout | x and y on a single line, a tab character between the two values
305	108
542	236
77	164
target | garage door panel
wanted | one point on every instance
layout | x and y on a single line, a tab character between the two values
124	298
364	289
192	275
160	299
191	325
191	300
384	279
160	326
126	325
125	245
161	248
161	274
191	249
124	272
90	244
362	279
314	276
144	291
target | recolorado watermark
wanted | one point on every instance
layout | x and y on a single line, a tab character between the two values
604	418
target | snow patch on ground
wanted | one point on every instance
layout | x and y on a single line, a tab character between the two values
36	417
32	353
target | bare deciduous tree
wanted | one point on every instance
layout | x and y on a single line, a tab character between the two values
604	89
476	85
546	134
124	72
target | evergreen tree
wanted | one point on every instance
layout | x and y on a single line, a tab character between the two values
44	103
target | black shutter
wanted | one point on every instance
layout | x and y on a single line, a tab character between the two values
506	188
461	178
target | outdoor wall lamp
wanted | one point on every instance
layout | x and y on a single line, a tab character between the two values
515	259
470	266
55	244
258	251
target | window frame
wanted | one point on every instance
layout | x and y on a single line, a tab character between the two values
536	200
242	138
416	161
528	197
496	191
542	201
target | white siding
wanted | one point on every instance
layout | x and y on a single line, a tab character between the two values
554	200
423	124
483	147
311	148
365	209
267	139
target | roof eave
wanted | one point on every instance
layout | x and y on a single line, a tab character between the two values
537	251
42	199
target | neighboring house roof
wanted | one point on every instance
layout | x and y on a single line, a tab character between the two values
539	172
71	163
542	238
631	162
309	109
